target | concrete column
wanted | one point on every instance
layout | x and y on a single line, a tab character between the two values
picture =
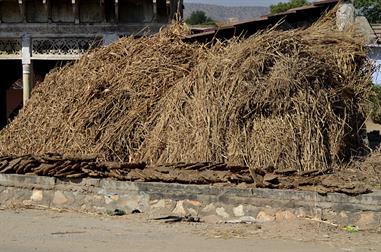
49	5
75	11
26	67
48	10
22	10
345	15
27	81
103	8
116	11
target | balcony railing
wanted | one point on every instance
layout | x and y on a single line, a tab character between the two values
10	47
68	46
49	47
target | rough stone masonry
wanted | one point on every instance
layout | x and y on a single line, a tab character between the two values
210	203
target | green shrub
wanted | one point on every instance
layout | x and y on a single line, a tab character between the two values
282	7
199	17
376	104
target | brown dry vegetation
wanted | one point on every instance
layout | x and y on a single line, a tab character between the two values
282	99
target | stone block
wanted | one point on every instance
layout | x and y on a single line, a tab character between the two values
37	195
285	216
239	211
221	211
192	212
155	204
118	187
265	217
27	181
210	208
252	210
211	219
59	198
179	209
366	220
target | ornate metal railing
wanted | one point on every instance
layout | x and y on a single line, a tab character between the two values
63	46
10	46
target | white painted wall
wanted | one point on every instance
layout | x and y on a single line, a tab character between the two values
377	74
375	55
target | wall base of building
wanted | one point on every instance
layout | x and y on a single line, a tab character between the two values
207	202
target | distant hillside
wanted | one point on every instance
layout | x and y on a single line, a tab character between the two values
219	13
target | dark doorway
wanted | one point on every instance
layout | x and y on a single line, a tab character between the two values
43	67
11	72
11	94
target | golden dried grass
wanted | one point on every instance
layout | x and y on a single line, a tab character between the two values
285	99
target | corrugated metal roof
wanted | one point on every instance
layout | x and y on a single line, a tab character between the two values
377	31
292	16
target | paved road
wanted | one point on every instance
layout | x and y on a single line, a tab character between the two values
41	230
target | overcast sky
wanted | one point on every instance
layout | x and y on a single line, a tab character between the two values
237	2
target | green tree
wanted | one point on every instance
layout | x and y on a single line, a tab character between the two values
371	9
282	7
199	17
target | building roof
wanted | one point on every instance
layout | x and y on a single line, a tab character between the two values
377	31
292	18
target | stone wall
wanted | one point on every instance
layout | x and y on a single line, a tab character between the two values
211	204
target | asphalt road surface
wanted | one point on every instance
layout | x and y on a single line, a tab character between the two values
23	230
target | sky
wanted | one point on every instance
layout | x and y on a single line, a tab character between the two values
237	2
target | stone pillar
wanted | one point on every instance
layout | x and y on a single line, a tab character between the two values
75	11
48	9
26	67
103	9
345	16
116	11
22	10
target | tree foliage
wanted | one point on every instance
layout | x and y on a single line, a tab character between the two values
371	9
282	7
199	17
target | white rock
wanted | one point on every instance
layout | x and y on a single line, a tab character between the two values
238	211
221	212
265	217
36	195
179	209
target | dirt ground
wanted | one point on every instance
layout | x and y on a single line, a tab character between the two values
46	230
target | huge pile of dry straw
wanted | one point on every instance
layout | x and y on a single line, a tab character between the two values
283	99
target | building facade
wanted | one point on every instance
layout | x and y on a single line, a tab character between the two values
375	53
37	35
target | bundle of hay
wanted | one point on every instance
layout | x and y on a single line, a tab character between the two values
280	99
